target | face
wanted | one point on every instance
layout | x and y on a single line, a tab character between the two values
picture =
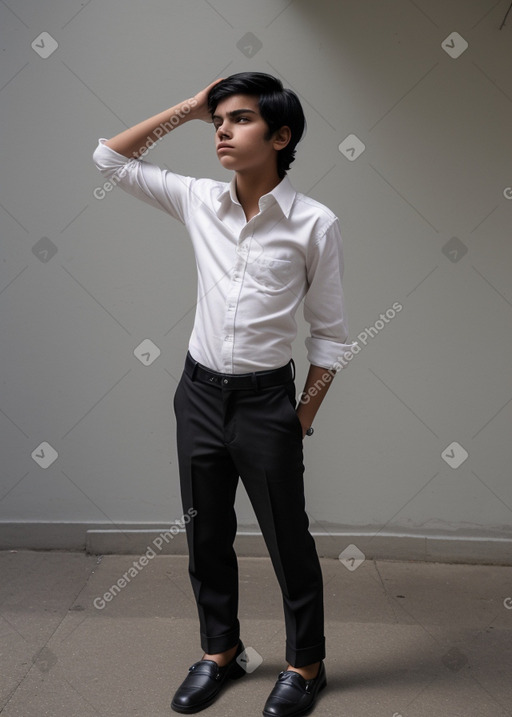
240	133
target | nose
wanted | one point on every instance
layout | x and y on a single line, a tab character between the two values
222	131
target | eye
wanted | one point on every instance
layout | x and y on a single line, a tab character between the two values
243	119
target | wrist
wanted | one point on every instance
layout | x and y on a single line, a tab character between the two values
305	415
305	422
183	112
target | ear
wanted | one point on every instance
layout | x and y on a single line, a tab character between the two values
281	137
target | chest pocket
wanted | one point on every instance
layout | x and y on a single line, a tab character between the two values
271	274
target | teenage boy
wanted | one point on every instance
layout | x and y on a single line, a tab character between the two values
260	248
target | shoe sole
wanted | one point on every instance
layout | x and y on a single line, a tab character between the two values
196	708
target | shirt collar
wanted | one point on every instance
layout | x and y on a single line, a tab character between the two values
283	194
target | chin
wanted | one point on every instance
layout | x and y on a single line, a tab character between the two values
228	163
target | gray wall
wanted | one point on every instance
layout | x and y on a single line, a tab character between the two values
425	212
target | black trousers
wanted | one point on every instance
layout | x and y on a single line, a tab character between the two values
224	433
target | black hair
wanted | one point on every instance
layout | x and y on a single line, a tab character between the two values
278	107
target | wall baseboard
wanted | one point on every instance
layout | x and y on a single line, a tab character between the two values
136	539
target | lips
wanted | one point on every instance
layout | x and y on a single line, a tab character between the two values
224	145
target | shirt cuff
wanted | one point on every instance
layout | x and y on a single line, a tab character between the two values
330	355
103	151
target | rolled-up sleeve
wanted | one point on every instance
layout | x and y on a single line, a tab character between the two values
158	187
324	305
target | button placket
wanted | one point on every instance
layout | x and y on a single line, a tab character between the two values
232	299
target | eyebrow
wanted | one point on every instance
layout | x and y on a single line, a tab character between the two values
235	113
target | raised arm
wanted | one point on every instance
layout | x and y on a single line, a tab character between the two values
134	141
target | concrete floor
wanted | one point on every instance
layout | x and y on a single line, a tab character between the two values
404	639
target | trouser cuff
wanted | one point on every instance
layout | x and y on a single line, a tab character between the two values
221	643
305	656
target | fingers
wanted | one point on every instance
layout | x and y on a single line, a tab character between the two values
215	82
202	101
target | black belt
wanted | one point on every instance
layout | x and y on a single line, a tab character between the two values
255	380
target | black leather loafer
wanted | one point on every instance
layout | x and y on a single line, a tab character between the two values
293	695
204	682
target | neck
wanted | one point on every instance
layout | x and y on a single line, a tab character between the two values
251	187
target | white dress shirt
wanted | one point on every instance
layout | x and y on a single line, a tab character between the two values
252	275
